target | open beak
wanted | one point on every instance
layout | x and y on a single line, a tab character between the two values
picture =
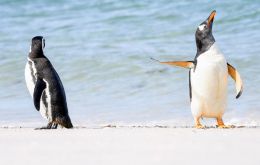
211	18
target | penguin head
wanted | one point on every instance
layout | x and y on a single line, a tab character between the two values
203	35
37	46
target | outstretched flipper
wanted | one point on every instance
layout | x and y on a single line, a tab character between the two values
236	77
40	85
183	64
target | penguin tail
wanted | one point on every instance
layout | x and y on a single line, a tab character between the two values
64	121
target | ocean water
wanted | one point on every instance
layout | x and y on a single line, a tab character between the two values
102	50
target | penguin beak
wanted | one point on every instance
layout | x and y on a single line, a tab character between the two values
211	18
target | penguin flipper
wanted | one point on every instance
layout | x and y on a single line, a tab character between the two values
183	64
236	77
40	85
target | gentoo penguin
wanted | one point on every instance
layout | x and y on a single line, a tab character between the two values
208	76
45	87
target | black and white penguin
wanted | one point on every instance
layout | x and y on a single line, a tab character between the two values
45	87
208	76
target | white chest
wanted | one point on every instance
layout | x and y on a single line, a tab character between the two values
30	76
209	83
211	68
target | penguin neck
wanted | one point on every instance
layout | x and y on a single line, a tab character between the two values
204	44
36	54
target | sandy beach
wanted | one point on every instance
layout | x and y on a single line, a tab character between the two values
102	52
129	145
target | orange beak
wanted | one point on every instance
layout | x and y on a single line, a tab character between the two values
211	17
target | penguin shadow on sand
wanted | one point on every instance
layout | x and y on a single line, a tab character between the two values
208	77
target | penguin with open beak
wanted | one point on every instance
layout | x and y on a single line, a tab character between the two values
208	76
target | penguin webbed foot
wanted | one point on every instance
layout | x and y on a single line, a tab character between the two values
54	126
225	126
220	124
199	126
50	125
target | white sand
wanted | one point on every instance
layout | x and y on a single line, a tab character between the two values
130	146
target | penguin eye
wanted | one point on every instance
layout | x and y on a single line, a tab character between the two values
202	27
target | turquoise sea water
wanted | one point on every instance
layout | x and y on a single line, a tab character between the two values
101	51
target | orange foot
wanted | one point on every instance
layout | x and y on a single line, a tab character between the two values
199	126
220	124
225	126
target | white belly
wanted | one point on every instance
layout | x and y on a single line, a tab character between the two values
30	79
209	85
